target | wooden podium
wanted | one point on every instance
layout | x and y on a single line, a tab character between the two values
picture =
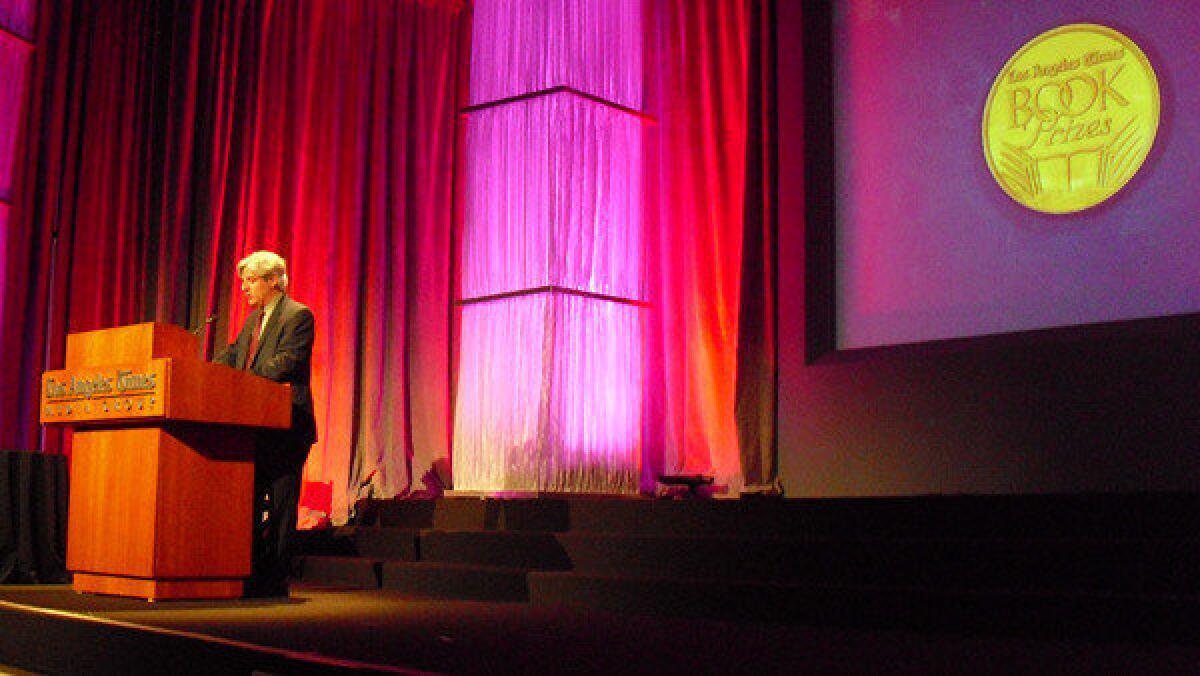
162	467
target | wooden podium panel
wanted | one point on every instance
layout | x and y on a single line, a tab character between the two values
133	343
160	508
162	466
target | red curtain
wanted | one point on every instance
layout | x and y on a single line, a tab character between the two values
169	138
347	171
66	201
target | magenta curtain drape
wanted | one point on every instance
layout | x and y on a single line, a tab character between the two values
549	391
17	52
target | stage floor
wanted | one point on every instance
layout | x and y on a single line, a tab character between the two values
323	630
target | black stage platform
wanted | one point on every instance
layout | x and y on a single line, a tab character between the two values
1102	583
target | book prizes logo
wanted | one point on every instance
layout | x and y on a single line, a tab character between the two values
1070	118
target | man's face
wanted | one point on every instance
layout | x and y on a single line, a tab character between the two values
258	290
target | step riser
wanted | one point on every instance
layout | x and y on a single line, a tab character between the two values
382	544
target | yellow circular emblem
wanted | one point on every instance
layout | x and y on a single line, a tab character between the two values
1070	118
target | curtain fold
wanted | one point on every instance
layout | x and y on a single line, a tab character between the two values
116	181
73	198
23	250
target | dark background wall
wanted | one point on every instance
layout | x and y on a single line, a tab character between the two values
1111	407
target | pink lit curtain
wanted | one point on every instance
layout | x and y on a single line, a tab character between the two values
549	394
550	382
553	197
19	17
16	58
522	46
548	399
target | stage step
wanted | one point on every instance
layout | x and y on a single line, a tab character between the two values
397	544
368	541
765	559
323	541
456	581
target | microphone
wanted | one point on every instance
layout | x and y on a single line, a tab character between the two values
200	329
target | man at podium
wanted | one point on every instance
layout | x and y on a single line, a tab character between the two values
276	343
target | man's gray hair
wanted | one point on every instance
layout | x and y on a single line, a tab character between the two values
265	264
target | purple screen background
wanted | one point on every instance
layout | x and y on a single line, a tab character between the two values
928	245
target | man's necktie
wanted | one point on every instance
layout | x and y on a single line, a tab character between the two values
253	349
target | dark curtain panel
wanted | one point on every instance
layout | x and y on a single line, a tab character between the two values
33	517
755	408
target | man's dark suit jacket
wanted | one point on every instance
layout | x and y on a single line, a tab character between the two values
285	356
